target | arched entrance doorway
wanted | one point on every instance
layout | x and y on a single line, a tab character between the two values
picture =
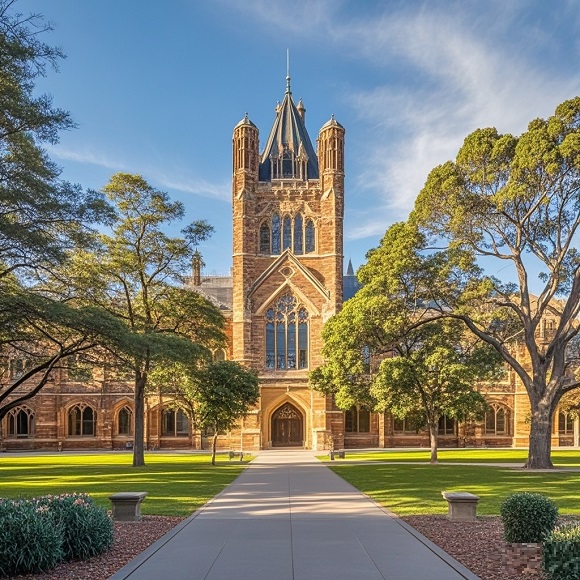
287	427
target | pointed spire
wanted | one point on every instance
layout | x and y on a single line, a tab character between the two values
288	91
349	269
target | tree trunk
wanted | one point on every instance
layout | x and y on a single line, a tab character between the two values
213	447
139	435
433	436
540	437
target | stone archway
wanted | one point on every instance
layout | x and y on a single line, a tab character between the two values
287	427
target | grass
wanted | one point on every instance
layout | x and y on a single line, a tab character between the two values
560	457
412	489
177	484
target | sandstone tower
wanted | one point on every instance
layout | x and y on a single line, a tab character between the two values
288	206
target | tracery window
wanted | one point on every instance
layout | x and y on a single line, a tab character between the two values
279	234
287	335
81	421
497	421
174	422
125	421
357	420
21	422
565	423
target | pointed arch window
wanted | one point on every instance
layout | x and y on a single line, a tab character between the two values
125	421
298	234
276	234
265	238
309	236
21	422
81	421
287	233
497	421
565	423
174	423
286	335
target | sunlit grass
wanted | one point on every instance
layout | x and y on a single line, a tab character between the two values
409	489
560	457
177	484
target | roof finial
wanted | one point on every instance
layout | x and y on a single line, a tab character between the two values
288	71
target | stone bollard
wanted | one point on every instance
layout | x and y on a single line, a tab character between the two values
127	505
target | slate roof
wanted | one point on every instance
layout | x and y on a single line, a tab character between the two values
288	133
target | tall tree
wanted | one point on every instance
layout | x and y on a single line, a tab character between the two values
41	216
215	396
136	275
515	200
385	350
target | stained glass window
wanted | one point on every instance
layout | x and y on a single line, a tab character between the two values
309	236
286	335
287	233
275	234
298	234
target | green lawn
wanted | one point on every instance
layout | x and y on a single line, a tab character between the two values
560	457
416	489
177	484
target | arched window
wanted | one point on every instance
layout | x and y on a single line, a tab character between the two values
174	422
287	335
287	233
357	420
446	425
21	422
265	238
219	355
125	421
497	421
565	423
309	236
81	421
276	234
298	234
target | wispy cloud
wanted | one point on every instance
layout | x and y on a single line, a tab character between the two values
175	179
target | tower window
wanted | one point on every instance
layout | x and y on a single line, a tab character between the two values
287	233
286	335
264	238
275	234
309	236
298	234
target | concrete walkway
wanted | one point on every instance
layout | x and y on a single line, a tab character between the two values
288	517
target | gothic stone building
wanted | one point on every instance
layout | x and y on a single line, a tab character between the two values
287	280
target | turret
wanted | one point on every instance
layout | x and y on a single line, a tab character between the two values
331	152
245	153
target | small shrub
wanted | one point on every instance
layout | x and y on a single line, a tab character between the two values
528	517
87	529
561	553
30	541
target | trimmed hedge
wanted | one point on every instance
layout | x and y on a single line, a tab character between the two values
561	553
528	517
36	534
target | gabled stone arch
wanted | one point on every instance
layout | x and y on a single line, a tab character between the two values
278	403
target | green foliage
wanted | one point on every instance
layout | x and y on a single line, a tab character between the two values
561	553
30	541
87	529
528	517
513	200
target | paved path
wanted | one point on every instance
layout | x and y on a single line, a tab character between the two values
288	517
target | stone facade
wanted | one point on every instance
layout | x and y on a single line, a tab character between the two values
286	281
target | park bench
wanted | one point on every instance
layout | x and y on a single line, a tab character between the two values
462	505
234	454
127	505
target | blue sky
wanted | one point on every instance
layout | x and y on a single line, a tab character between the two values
157	87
